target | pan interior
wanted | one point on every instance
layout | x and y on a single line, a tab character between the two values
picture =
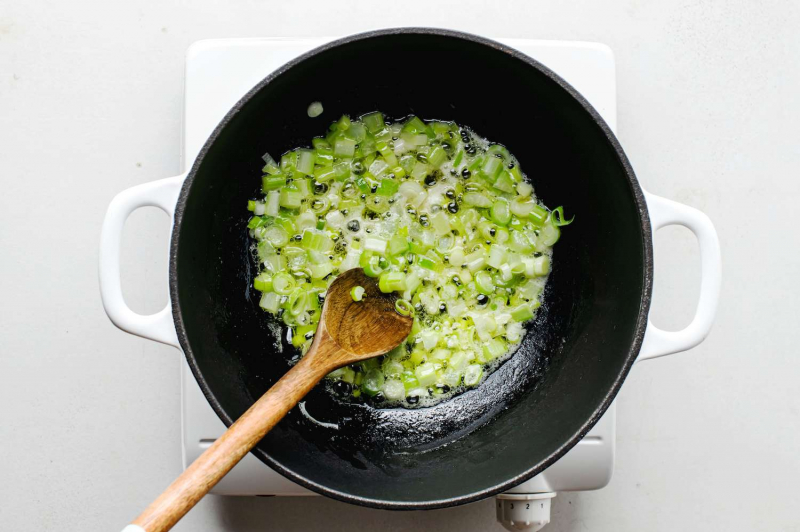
580	345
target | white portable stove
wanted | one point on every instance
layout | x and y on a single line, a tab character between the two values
218	73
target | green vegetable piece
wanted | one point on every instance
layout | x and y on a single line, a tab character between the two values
414	126
357	293
305	161
538	215
373	122
344	148
484	283
269	182
344	123
437	156
500	212
263	282
522	313
409	380
472	375
397	245
387	187
290	199
457	243
373	382
504	182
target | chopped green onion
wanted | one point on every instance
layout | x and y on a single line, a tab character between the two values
371	264
549	234
270	301
323	174
493	349
283	283
398	245
557	217
491	167
437	156
524	190
522	313
497	256
472	375
305	161
538	215
344	147
388	187
428	263
263	282
373	122
500	212
343	123
392	282
403	307
541	266
448	228
477	199
290	199
276	236
373	382
484	283
314	109
393	389
269	182
357	293
414	126
504	182
426	374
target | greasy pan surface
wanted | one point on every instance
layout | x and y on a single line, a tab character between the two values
571	363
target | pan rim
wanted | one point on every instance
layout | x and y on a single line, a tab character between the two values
639	330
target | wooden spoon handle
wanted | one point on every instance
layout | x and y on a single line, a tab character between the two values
239	439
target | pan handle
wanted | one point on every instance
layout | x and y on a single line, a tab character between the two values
657	342
164	195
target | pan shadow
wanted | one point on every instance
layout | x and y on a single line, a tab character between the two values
304	514
570	513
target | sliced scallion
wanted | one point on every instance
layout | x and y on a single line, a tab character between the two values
434	215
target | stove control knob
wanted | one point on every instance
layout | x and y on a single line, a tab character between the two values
524	511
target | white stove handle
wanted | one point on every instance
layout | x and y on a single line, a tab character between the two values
164	195
664	212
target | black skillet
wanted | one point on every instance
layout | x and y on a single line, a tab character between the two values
571	363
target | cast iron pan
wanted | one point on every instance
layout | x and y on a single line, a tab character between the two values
571	363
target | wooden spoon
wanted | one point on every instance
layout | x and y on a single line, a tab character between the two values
348	332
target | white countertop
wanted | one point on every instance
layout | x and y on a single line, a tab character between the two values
90	102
